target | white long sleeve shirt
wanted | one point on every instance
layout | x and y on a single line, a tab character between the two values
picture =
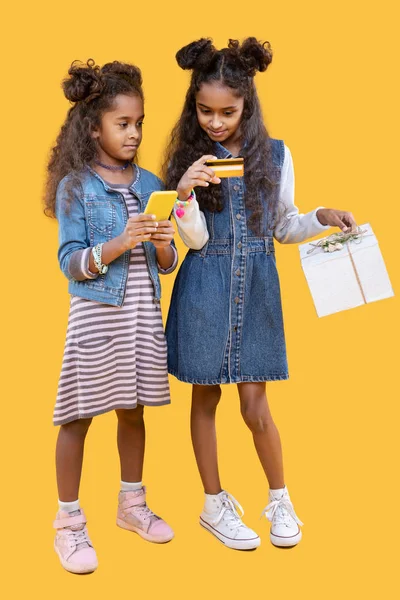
291	227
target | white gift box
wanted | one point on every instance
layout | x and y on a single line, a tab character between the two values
351	276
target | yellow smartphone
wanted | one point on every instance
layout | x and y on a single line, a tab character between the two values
227	167
161	204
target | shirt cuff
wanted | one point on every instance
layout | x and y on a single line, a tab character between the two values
189	210
316	222
86	264
172	267
79	265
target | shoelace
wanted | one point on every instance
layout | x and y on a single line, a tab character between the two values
144	511
281	510
78	537
229	512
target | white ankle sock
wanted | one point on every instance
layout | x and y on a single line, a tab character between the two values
277	494
69	506
128	486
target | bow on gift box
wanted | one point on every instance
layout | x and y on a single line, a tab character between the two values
336	240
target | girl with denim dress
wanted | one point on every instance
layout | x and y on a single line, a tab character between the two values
225	320
115	354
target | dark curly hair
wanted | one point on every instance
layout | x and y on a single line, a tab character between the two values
234	67
92	89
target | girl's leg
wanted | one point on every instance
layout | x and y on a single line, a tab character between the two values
131	437
133	512
219	515
285	530
69	457
257	416
205	400
72	543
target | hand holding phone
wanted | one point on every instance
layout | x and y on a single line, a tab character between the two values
164	234
139	228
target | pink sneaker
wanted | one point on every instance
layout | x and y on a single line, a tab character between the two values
72	543
134	515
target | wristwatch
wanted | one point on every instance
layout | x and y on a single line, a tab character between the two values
96	251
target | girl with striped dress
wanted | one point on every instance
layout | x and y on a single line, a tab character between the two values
115	355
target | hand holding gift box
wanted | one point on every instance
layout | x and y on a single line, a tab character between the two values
345	270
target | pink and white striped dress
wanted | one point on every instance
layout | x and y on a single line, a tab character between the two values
114	357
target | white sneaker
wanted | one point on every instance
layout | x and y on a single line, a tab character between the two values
220	517
285	530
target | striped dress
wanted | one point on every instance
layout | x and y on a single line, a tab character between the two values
114	357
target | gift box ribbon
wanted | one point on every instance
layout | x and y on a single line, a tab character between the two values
336	242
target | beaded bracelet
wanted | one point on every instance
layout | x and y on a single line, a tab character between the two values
180	211
96	251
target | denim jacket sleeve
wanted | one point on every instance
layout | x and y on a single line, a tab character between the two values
74	246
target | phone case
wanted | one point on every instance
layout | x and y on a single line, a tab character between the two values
227	167
161	204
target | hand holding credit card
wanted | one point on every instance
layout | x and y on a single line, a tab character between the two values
227	167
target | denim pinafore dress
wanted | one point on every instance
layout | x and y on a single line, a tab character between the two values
225	320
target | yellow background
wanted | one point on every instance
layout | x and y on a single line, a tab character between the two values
331	94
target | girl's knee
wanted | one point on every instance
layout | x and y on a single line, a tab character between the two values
79	427
256	416
206	398
131	416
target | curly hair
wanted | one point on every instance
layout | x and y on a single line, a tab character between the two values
234	67
92	90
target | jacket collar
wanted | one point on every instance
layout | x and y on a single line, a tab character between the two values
135	186
221	151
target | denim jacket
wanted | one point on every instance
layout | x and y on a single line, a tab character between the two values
97	214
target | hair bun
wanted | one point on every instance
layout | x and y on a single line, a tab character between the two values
84	81
196	55
255	56
123	70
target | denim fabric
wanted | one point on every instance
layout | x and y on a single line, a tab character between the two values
97	214
225	320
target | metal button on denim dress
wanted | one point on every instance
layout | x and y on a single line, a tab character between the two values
225	320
